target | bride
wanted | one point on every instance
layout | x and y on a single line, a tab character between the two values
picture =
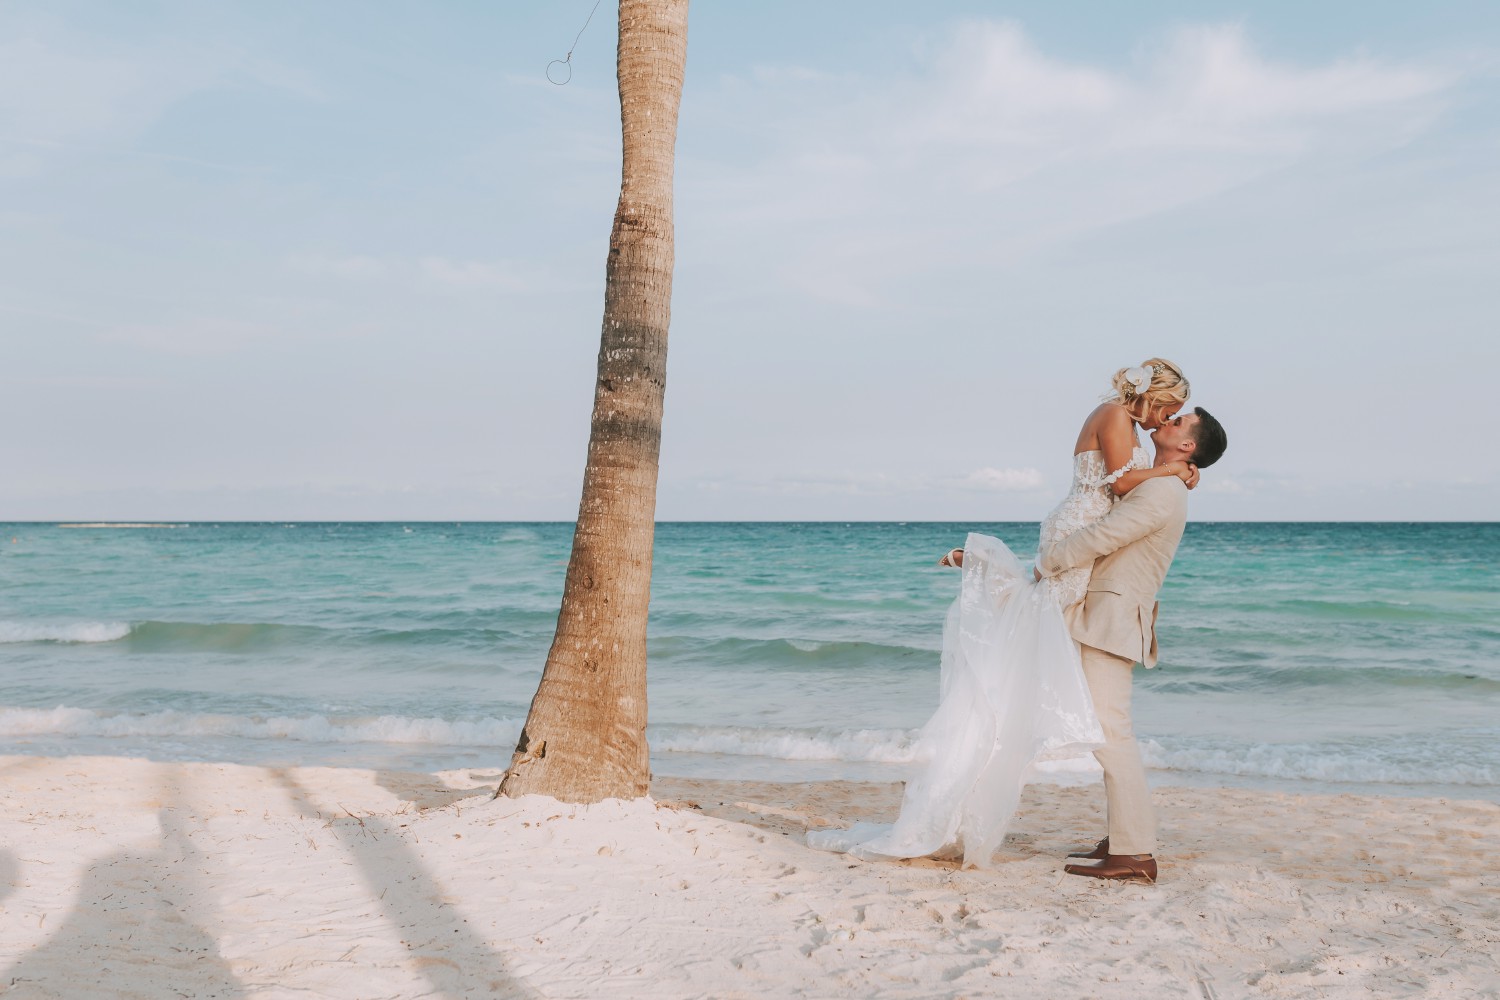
1012	690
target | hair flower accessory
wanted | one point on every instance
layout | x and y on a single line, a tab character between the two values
1139	378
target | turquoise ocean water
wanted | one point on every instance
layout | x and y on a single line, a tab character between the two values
1348	657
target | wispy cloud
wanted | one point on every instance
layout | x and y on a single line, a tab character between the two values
433	274
68	90
1251	483
1006	480
49	92
210	335
831	484
195	337
995	150
357	267
503	275
87	382
1203	88
882	484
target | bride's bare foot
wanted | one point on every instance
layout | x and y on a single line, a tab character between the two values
954	557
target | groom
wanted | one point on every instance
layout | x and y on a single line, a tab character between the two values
1130	549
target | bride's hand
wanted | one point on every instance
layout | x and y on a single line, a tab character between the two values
1186	471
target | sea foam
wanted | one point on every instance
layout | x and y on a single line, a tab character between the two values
68	721
1384	763
11	631
882	746
1402	762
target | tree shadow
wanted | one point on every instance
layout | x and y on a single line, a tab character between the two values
431	929
10	874
426	792
137	929
788	808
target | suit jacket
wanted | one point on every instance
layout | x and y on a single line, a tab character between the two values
1131	548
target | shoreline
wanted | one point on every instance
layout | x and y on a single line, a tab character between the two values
444	521
709	767
728	768
127	877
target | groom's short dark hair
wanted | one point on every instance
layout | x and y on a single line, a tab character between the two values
1209	437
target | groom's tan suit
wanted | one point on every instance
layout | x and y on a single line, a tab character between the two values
1130	548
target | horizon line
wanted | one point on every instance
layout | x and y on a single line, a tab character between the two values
170	522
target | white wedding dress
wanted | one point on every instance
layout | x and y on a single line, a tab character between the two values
1012	693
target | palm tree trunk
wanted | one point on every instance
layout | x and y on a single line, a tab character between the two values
585	735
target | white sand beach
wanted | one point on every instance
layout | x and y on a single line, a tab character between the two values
130	878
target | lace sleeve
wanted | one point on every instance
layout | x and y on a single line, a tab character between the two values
1097	481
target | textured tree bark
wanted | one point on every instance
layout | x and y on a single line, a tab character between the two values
585	735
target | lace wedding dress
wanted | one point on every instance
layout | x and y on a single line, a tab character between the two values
1011	693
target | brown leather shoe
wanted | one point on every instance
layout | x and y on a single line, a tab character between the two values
1122	867
1098	852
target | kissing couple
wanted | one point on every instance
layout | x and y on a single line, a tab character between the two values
1037	663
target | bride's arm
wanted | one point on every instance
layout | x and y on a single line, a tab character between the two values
1135	477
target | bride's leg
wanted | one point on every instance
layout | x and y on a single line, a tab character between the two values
1132	821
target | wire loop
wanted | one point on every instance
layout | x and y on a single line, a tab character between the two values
567	60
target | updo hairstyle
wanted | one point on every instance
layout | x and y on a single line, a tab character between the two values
1166	385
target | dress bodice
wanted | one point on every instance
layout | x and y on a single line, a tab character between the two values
1089	498
1089	472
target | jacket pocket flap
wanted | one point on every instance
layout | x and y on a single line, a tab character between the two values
1105	587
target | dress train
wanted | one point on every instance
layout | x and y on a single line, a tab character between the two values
1012	693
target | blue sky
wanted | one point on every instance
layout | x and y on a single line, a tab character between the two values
345	260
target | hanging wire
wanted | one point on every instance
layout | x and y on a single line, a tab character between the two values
567	61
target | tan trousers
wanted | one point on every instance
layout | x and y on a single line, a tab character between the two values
1132	821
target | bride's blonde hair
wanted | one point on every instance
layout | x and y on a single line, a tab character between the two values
1165	384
